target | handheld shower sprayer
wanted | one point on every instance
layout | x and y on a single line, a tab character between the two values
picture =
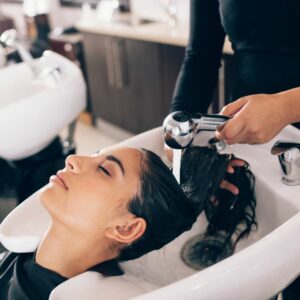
180	127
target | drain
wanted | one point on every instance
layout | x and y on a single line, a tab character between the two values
202	251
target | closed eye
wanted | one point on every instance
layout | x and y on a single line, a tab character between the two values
104	170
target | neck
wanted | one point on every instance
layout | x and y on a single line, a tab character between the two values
70	255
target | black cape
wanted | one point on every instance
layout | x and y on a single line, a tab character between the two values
21	278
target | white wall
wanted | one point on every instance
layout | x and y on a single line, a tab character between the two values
65	16
152	9
59	16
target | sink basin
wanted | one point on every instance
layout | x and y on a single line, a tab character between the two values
263	264
33	110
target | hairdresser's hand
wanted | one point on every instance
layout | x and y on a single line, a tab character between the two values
230	169
256	119
168	152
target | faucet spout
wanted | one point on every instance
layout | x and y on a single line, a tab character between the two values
9	38
289	159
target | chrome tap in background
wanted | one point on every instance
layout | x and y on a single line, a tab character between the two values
180	128
9	38
289	158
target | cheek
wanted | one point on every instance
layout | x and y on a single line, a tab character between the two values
88	211
87	221
85	210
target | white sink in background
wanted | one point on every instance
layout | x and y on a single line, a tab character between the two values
34	110
263	264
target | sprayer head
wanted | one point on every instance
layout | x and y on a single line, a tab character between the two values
180	127
179	130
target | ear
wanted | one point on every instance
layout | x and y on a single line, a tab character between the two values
127	233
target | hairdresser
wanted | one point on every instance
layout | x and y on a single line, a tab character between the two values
265	37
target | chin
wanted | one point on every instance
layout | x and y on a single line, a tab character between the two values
43	195
47	196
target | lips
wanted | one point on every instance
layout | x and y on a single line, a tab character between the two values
58	179
61	178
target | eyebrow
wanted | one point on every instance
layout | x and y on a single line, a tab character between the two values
117	161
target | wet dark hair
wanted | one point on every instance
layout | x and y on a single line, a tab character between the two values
168	208
233	214
230	217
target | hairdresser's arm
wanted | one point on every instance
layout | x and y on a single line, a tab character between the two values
199	71
258	118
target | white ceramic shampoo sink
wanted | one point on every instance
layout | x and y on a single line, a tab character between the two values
262	265
33	109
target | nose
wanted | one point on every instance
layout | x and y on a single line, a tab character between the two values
73	163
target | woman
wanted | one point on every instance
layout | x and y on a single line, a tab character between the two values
115	206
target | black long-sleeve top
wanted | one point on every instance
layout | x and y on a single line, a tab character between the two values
265	35
21	278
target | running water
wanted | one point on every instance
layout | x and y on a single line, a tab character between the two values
176	163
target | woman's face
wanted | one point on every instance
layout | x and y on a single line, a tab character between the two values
91	193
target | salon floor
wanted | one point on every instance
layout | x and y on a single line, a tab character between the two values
88	140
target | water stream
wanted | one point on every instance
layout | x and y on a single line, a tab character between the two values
176	163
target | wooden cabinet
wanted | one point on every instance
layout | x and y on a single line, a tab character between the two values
98	68
131	82
6	23
172	58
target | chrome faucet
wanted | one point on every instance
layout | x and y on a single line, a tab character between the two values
180	128
9	38
289	158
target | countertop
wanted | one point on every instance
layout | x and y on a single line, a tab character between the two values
158	32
